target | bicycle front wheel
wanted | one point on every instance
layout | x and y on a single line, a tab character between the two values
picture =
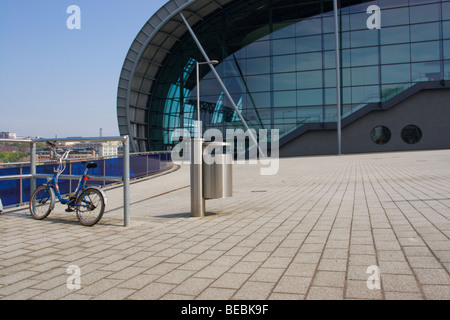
41	202
90	206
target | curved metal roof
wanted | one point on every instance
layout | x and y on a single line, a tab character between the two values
144	59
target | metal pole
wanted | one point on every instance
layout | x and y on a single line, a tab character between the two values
21	187
33	168
126	181
197	200
338	76
224	88
198	101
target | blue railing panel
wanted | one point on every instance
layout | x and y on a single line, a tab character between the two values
140	166
9	188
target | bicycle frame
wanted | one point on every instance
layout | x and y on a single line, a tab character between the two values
53	182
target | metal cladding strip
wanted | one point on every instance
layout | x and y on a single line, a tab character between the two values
128	74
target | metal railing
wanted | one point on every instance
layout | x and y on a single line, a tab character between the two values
33	175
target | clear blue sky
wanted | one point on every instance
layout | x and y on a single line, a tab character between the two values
56	81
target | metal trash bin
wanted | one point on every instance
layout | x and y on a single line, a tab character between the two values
217	176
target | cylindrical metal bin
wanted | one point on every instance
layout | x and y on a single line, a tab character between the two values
217	171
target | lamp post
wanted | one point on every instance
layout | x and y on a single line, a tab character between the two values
197	199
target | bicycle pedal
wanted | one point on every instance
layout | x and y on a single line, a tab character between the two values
69	210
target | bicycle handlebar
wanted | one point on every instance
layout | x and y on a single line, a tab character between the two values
61	166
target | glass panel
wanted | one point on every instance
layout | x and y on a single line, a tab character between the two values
330	78
284	32
285	98
365	76
283	63
397	73
389	3
446	11
308	44
309	61
447	49
394	35
394	17
258	49
257	66
309	80
258	83
390	91
346	77
345	40
328	24
345	58
309	97
330	96
364	56
424	13
365	95
358	21
259	100
364	38
422	1
284	46
425	32
345	22
447	70
446	29
285	115
329	42
284	81
330	114
425	51
229	68
309	27
426	71
346	96
209	87
395	53
309	114
329	59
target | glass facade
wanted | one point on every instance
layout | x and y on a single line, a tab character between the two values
277	59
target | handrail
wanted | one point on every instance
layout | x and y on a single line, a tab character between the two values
76	177
96	158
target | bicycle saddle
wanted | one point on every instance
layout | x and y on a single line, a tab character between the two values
91	165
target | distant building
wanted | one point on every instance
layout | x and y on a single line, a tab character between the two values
76	153
102	149
8	135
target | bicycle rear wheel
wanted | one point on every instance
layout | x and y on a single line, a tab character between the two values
41	202
90	206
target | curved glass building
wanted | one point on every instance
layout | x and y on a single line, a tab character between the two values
277	58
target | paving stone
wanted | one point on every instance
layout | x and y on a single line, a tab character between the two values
293	285
325	293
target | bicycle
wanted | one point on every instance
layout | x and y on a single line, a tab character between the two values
88	201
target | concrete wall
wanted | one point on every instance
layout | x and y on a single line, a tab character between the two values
428	109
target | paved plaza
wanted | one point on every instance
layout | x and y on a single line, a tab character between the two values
370	226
